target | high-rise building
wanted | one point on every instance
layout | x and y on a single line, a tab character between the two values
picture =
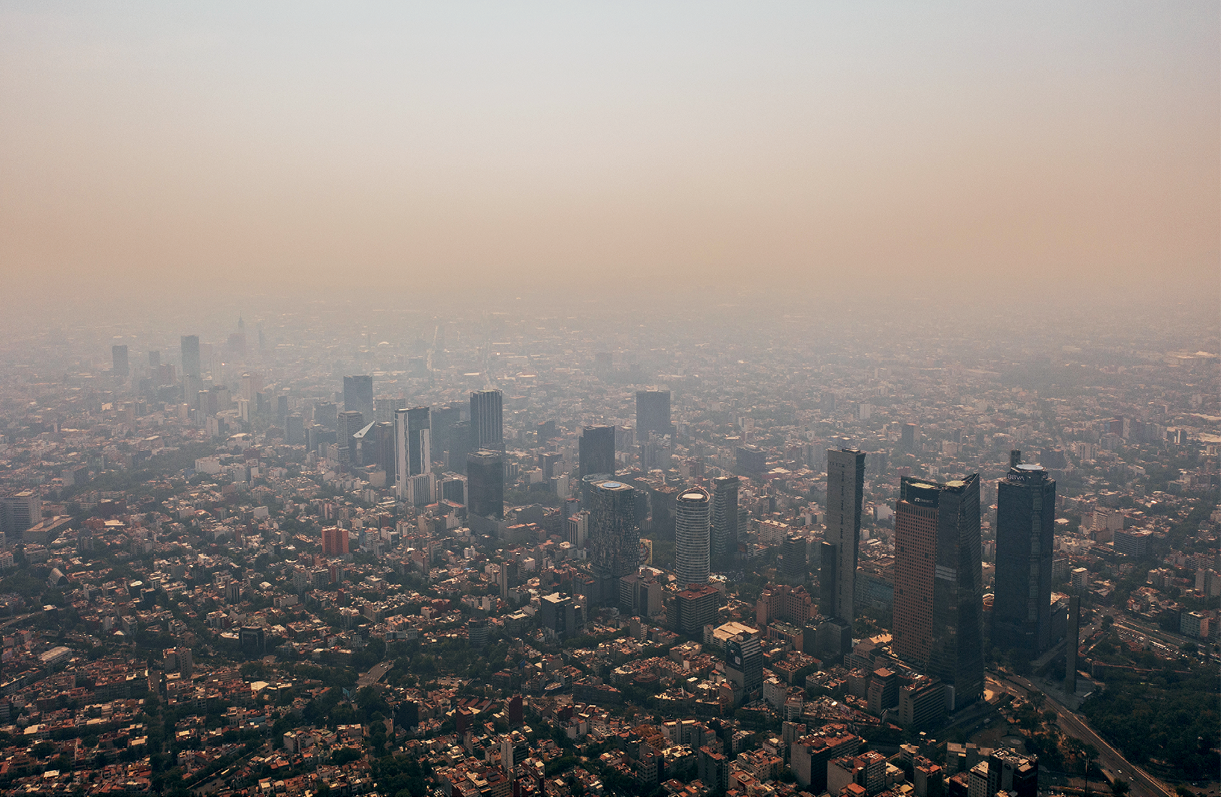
382	454
459	445
252	385
938	602
596	451
326	413
744	661
653	413
384	407
444	418
1012	773
696	607
477	632
1025	538
908	437
419	441
334	541
485	484
452	487
794	564
750	460
845	494
294	429
1071	644
118	361
358	395
487	431
614	536
154	361
404	422
724	520
349	423
691	540
190	356
252	639
19	512
561	616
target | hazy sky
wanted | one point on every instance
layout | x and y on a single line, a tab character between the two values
800	146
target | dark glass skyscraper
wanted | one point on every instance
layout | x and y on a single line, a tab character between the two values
459	445
1025	538
485	484
794	564
652	414
350	422
486	419
938	603
444	419
118	359
724	520
845	496
358	395
596	451
614	536
190	356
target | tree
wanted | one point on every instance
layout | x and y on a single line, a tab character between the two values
1120	787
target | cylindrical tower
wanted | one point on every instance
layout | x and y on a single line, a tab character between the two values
691	526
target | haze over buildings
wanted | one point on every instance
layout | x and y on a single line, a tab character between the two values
561	400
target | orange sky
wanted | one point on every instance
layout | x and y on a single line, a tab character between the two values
192	147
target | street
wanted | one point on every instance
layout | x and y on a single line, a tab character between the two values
1109	760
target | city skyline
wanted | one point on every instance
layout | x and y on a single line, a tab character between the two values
643	399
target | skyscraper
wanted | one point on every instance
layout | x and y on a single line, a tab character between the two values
486	415
190	356
1071	645
384	407
459	445
691	537
350	422
938	603
908	438
294	429
652	413
596	451
118	360
358	395
614	536
1025	538
845	494
485	484
412	447
793	564
444	419
419	441
401	469
724	520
